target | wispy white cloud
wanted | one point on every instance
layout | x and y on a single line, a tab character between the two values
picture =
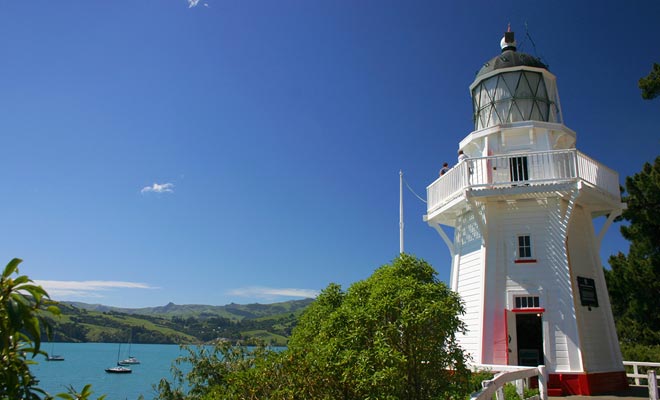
90	289
159	188
271	293
194	3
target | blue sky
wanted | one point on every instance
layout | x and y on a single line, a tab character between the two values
248	151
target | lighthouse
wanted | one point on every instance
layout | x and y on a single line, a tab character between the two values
518	217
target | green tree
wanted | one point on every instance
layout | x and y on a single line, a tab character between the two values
650	84
391	336
634	279
23	309
20	302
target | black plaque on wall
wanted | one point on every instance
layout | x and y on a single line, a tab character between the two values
588	295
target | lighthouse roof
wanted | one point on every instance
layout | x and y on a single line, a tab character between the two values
510	57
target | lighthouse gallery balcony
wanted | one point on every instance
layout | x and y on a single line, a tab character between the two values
524	174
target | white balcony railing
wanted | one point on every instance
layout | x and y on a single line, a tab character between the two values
523	169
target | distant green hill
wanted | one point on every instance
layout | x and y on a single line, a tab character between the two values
192	323
232	311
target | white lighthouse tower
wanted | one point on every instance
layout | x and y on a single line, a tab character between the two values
525	253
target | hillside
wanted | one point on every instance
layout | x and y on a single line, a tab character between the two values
232	311
272	323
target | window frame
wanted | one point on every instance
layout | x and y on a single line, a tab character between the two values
518	302
527	247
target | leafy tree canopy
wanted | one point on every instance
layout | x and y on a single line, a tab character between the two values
391	336
634	280
22	306
650	84
20	335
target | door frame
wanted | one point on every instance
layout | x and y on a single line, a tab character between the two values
511	333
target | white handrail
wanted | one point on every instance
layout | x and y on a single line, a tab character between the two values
509	374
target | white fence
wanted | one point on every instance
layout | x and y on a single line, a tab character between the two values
521	375
650	376
523	169
636	374
506	374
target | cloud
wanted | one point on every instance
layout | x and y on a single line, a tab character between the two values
192	3
271	293
59	289
159	188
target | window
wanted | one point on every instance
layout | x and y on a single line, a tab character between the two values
527	302
524	246
518	169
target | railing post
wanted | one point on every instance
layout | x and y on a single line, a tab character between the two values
653	386
499	394
543	382
636	372
520	387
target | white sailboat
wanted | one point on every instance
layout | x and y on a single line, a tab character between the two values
130	360
53	357
119	369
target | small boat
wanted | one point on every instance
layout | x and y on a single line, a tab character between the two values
130	360
119	369
53	357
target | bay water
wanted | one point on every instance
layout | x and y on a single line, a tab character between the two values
85	363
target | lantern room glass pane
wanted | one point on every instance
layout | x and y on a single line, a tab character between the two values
536	113
541	92
483	115
533	79
490	85
523	90
525	106
492	117
502	109
544	108
511	97
483	96
501	91
511	80
516	114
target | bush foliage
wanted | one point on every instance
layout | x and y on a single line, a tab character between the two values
391	336
23	310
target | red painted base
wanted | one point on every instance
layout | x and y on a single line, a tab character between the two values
586	384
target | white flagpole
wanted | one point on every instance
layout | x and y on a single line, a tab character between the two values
400	211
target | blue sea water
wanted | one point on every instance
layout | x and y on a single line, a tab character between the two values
85	363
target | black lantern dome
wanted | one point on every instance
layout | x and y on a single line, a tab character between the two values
510	57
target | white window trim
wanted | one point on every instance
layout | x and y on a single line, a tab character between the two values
517	249
512	294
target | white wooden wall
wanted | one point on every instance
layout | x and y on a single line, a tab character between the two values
600	348
470	282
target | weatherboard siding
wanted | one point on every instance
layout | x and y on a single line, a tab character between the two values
600	355
470	283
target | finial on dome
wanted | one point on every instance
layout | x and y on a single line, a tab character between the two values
508	42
